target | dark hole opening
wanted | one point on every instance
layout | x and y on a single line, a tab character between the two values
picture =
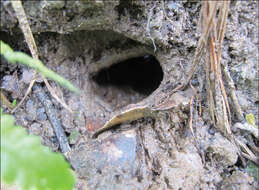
142	74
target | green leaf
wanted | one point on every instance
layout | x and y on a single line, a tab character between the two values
25	162
250	119
5	48
14	103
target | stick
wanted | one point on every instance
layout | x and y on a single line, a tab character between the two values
52	115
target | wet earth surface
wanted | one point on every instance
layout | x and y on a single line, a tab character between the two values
117	67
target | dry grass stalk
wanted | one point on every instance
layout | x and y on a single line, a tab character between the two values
191	128
191	116
232	89
5	101
25	26
213	31
207	24
247	153
27	92
217	96
21	16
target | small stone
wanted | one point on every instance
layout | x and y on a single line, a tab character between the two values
185	171
50	142
223	150
211	131
195	82
28	118
67	120
237	181
35	129
41	116
10	84
27	76
48	130
31	110
21	121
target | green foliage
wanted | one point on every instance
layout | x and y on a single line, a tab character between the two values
14	103
14	57
27	163
250	119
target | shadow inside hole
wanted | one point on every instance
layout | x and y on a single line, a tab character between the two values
142	74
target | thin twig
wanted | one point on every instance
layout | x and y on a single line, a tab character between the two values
190	121
233	95
27	92
221	27
52	92
247	156
6	102
201	45
217	95
192	131
246	151
24	24
52	115
222	118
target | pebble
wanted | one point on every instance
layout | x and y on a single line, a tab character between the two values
51	142
211	131
195	82
224	149
10	84
48	130
31	110
238	180
41	116
35	129
27	76
172	6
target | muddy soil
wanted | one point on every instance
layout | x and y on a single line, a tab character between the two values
121	53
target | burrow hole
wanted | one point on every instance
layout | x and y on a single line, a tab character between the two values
128	81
